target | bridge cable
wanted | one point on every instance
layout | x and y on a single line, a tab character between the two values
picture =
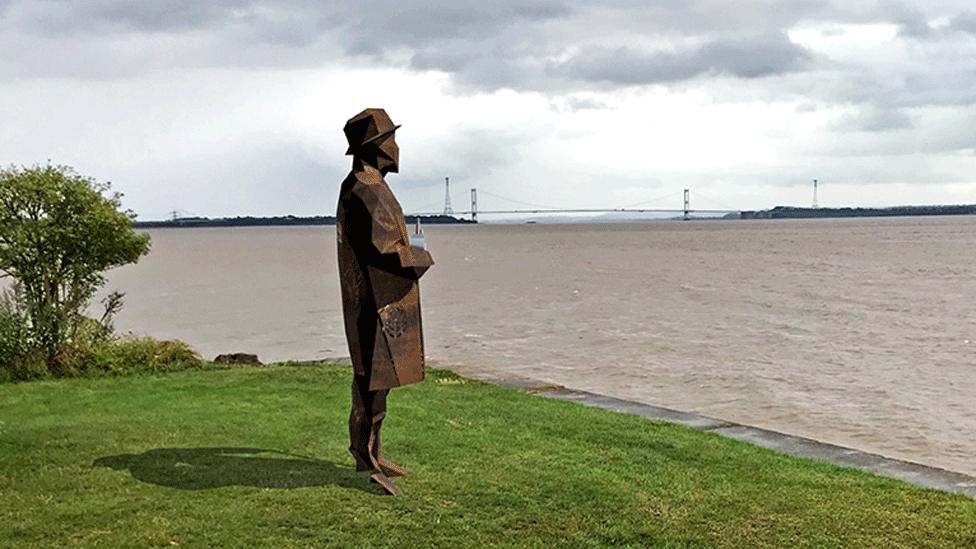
698	195
669	195
530	204
426	208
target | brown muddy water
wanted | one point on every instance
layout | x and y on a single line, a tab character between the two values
856	332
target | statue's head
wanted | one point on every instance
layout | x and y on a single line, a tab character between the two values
372	140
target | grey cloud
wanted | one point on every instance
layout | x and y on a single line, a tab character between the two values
753	58
469	150
876	132
380	25
558	47
243	21
965	22
44	37
106	15
872	119
741	57
477	67
911	21
516	32
366	27
832	31
576	103
946	82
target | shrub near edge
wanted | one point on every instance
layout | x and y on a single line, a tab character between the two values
59	232
109	357
141	354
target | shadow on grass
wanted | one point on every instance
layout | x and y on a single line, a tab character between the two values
206	468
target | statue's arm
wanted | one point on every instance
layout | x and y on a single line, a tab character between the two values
415	259
390	242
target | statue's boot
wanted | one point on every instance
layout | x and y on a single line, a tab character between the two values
364	463
378	473
385	483
392	469
389	468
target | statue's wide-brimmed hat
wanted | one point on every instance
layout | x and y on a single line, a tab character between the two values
366	127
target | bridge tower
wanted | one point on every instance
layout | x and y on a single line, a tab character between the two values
448	210
687	204
474	204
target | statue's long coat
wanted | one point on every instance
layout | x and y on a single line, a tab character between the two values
378	274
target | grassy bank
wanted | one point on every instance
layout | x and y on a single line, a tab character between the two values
256	457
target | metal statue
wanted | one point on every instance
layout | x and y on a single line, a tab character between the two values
378	274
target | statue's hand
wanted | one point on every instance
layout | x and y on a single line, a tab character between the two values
416	260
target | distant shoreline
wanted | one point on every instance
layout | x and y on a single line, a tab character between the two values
279	221
792	212
778	212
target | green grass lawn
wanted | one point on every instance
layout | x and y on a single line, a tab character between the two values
257	457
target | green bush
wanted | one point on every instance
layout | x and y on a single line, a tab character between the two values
59	233
92	351
19	359
14	330
140	354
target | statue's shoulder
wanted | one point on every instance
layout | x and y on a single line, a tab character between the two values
368	176
348	185
370	187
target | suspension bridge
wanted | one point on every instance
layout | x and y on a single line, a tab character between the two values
529	208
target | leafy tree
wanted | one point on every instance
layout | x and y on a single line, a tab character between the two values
59	231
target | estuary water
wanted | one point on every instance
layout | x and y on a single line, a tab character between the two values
858	332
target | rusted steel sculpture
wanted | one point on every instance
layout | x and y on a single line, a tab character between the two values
378	273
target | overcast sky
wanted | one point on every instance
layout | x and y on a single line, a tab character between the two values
233	107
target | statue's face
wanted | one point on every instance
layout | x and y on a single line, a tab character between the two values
388	159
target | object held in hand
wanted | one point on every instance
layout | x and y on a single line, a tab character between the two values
417	239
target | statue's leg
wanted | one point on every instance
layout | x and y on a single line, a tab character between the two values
359	423
377	411
379	414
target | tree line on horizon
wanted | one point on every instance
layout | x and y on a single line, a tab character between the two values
279	221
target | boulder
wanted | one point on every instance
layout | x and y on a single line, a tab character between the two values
238	358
